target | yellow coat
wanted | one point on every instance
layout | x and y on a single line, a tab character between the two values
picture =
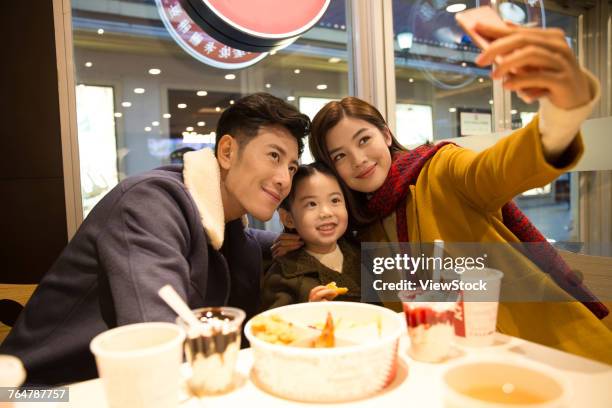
458	198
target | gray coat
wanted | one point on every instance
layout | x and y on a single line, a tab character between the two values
145	233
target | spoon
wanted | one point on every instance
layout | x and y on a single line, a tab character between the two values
179	306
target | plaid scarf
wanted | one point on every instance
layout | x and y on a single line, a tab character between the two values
405	170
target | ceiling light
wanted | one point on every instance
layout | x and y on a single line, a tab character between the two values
481	80
230	76
268	86
333	60
321	87
218	109
291	98
118	114
181	105
296	71
89	64
100	31
452	110
166	116
139	90
455	8
201	123
147	129
155	123
126	104
411	80
189	128
231	102
201	93
404	40
155	71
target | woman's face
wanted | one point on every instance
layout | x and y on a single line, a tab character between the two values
360	153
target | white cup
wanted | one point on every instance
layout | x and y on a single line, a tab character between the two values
12	374
476	309
139	364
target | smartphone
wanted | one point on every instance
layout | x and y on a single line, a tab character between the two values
467	20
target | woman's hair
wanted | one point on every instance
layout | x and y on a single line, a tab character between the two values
304	172
328	117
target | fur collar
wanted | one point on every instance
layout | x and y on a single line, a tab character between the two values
202	177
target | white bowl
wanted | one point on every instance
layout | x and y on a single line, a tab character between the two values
328	374
508	377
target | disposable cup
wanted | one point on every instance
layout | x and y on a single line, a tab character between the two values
212	349
430	325
477	304
139	364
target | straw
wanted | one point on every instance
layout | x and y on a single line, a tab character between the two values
179	306
437	254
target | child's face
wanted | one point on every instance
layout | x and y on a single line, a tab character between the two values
360	153
318	212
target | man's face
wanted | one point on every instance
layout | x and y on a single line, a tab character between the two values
259	176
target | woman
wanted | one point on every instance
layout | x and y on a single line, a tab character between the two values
456	195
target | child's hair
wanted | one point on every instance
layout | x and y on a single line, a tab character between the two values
303	172
328	117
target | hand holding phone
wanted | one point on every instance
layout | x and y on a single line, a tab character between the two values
467	20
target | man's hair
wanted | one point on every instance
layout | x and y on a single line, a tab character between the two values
243	119
304	172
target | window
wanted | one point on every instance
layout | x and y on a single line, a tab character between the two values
161	101
440	92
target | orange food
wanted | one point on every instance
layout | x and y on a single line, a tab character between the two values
326	339
339	291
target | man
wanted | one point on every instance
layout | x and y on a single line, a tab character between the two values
174	225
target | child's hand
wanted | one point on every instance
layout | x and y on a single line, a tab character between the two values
285	243
535	62
321	293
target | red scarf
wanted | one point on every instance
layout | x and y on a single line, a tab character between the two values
405	170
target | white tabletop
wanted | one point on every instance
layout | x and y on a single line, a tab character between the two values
417	384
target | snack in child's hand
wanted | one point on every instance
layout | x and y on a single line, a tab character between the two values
339	291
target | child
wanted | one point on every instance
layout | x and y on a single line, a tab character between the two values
315	209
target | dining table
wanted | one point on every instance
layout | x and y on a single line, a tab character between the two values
417	384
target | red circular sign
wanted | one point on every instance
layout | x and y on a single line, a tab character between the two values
198	43
255	25
270	18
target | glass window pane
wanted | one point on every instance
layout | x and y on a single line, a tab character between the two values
440	92
161	101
